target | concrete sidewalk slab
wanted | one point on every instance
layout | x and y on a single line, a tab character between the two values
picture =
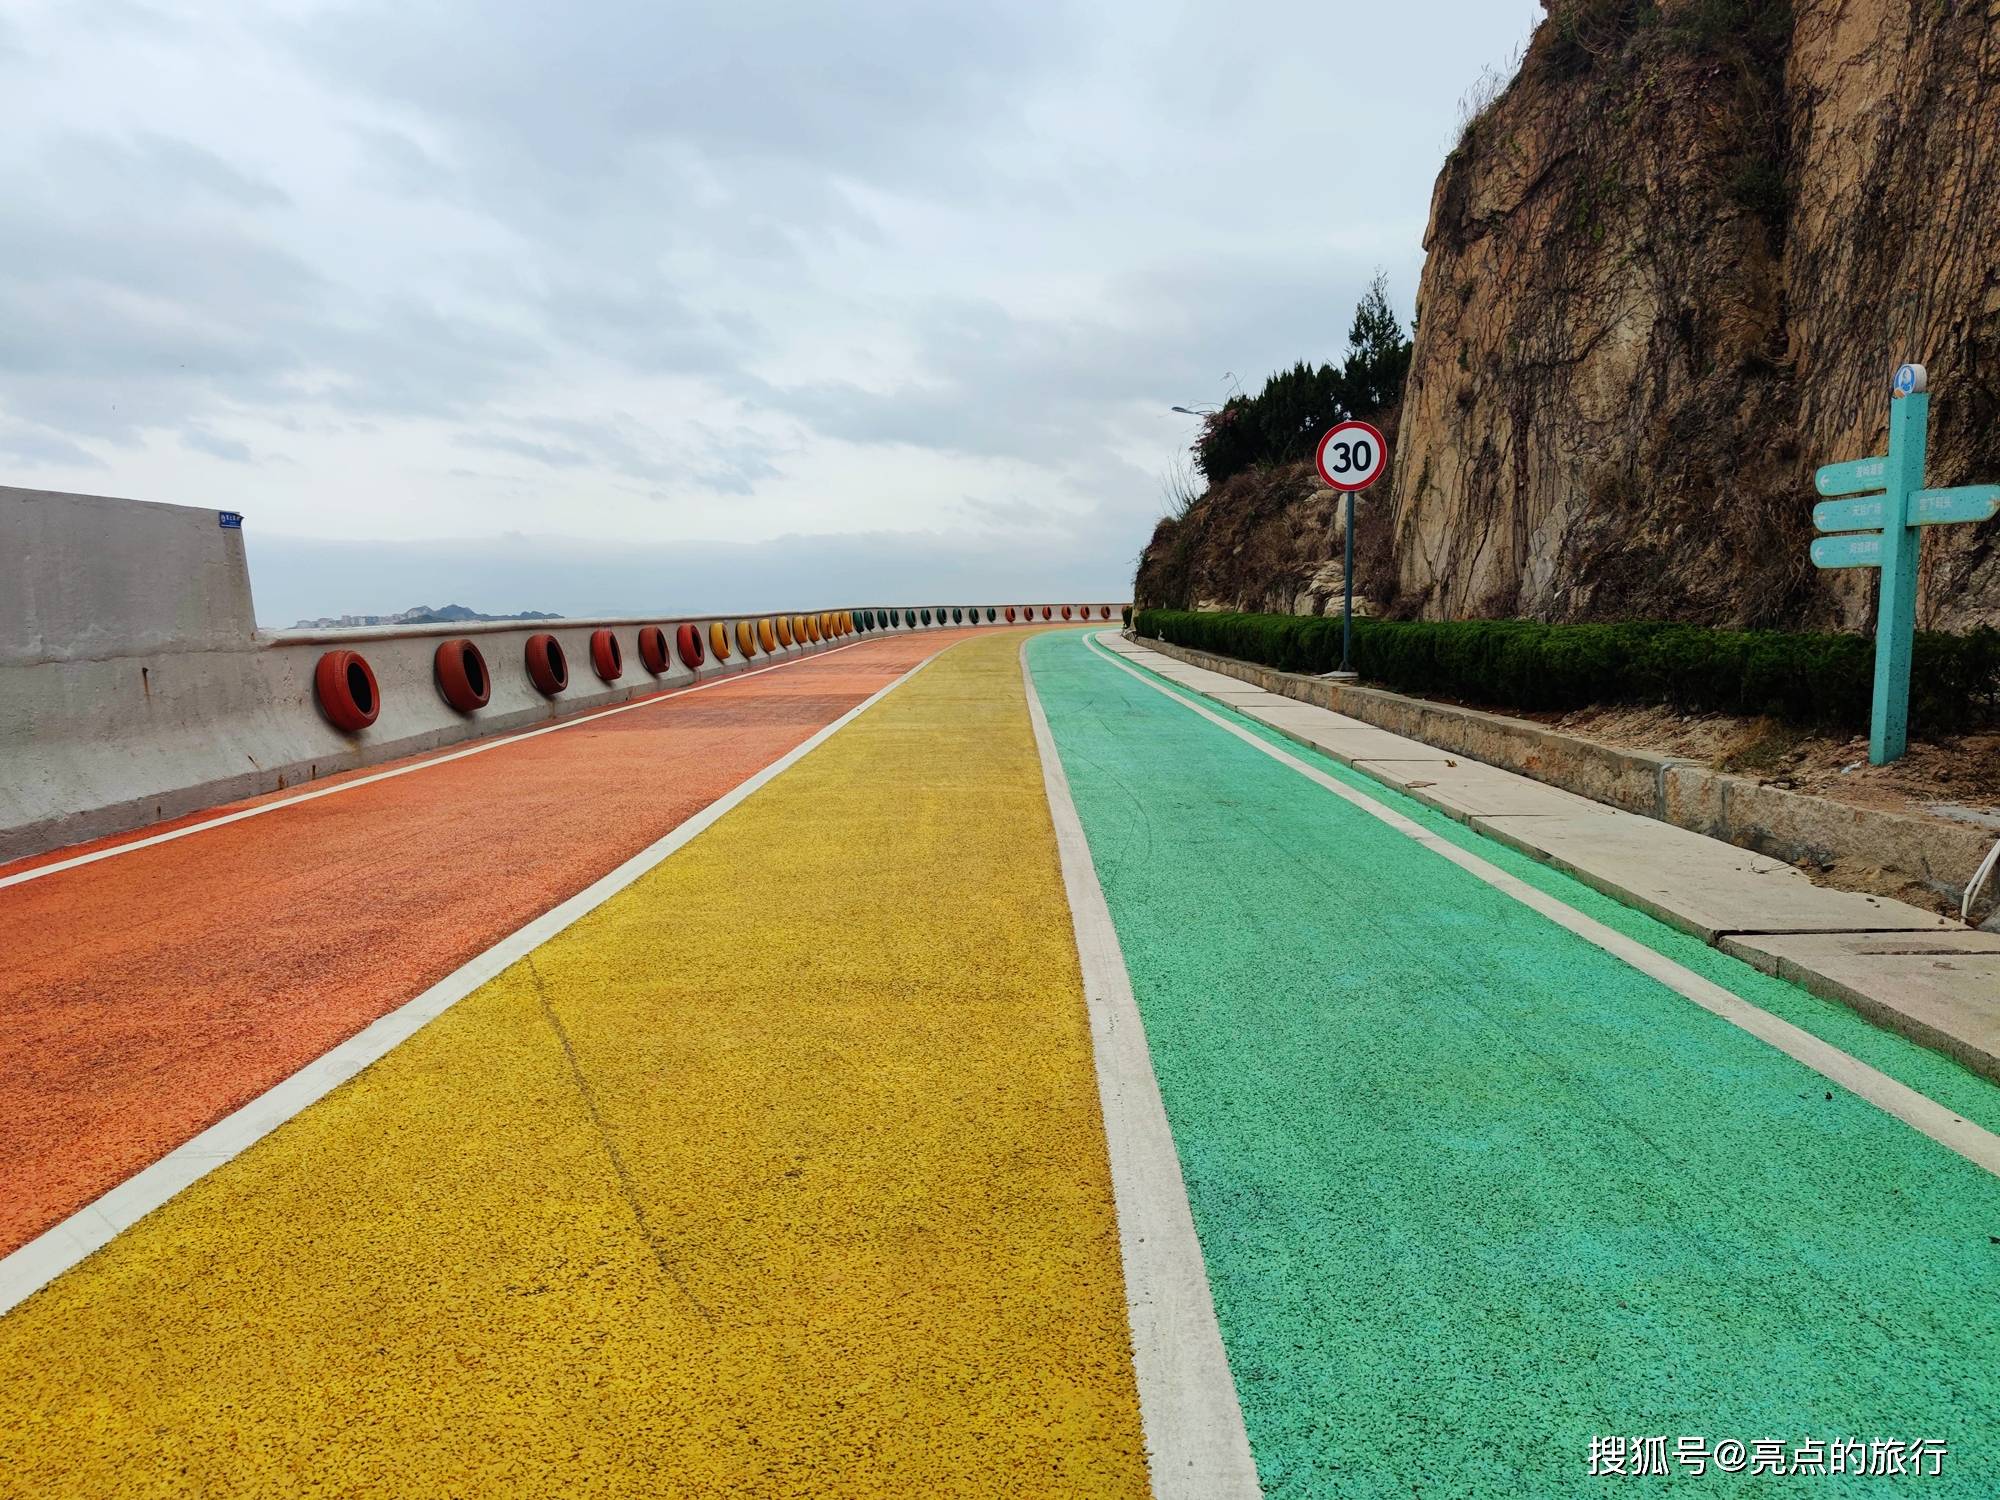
1345	743
1940	987
1698	884
1201	679
1305	716
1466	789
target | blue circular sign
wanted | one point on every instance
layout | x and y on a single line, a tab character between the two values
1910	379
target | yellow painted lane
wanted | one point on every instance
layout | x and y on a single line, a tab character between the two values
782	1173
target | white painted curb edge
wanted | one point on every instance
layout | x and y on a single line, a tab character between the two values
1196	1444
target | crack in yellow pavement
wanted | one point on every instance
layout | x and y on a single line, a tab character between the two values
625	1187
839	1041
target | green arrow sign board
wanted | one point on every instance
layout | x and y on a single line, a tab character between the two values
1970	502
1860	551
1856	478
1864	514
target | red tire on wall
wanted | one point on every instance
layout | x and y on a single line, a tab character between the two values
345	687
687	641
1065	611
1010	614
1045	611
1103	611
548	667
653	650
460	672
607	658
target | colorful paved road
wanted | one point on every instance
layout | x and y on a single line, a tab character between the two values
783	1171
1470	1190
194	974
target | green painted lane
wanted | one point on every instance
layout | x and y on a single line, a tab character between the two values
1472	1191
1930	1073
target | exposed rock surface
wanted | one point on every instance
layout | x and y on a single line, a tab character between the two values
1670	270
1270	540
1669	273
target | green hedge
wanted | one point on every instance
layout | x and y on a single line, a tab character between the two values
1819	680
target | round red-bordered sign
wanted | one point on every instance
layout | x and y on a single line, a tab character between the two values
1351	456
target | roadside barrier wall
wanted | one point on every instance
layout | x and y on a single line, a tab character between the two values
135	686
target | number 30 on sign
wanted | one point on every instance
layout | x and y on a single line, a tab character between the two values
1351	456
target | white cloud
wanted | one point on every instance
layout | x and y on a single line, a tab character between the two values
707	277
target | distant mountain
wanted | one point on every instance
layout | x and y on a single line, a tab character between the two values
422	614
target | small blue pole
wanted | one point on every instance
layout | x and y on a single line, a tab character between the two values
1896	619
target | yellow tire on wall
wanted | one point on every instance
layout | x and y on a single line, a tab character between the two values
718	641
746	639
767	635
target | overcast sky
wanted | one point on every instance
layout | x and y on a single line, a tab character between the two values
631	305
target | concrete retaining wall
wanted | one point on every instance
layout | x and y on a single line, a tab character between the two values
1882	852
135	686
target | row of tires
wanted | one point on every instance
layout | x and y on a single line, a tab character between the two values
349	696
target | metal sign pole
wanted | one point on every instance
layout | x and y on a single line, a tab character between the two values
1896	616
1351	457
1347	595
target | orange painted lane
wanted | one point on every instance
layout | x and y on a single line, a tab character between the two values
145	996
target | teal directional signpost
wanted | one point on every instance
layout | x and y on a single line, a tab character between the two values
1881	524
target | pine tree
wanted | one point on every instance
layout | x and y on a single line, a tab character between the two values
1283	422
1378	353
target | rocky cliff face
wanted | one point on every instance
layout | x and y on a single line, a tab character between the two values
1670	270
1273	540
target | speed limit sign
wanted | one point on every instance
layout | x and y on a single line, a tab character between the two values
1351	456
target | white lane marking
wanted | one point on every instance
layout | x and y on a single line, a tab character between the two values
497	743
1948	1129
1196	1445
93	1226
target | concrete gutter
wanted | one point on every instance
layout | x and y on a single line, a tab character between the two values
1721	862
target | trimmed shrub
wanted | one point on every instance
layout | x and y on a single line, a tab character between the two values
1821	681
